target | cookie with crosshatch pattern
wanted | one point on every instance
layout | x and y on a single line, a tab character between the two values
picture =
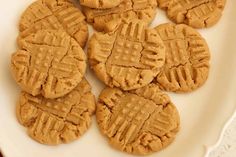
187	58
140	121
109	19
128	58
100	4
54	14
195	13
49	62
56	121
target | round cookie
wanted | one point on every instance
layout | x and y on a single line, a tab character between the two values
49	62
54	14
140	122
56	121
128	58
109	19
100	4
187	58
195	13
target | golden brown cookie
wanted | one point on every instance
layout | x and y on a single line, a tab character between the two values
195	13
141	121
54	14
129	57
49	62
187	58
100	4
108	19
56	121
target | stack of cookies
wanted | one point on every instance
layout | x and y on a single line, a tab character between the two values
135	62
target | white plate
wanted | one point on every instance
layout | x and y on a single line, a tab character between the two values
203	112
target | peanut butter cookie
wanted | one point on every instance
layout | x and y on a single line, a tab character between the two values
49	62
195	13
56	121
187	58
140	122
54	14
128	58
109	19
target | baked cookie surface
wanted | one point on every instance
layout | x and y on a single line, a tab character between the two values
56	121
54	14
108	19
187	58
49	62
140	121
128	58
100	4
195	13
